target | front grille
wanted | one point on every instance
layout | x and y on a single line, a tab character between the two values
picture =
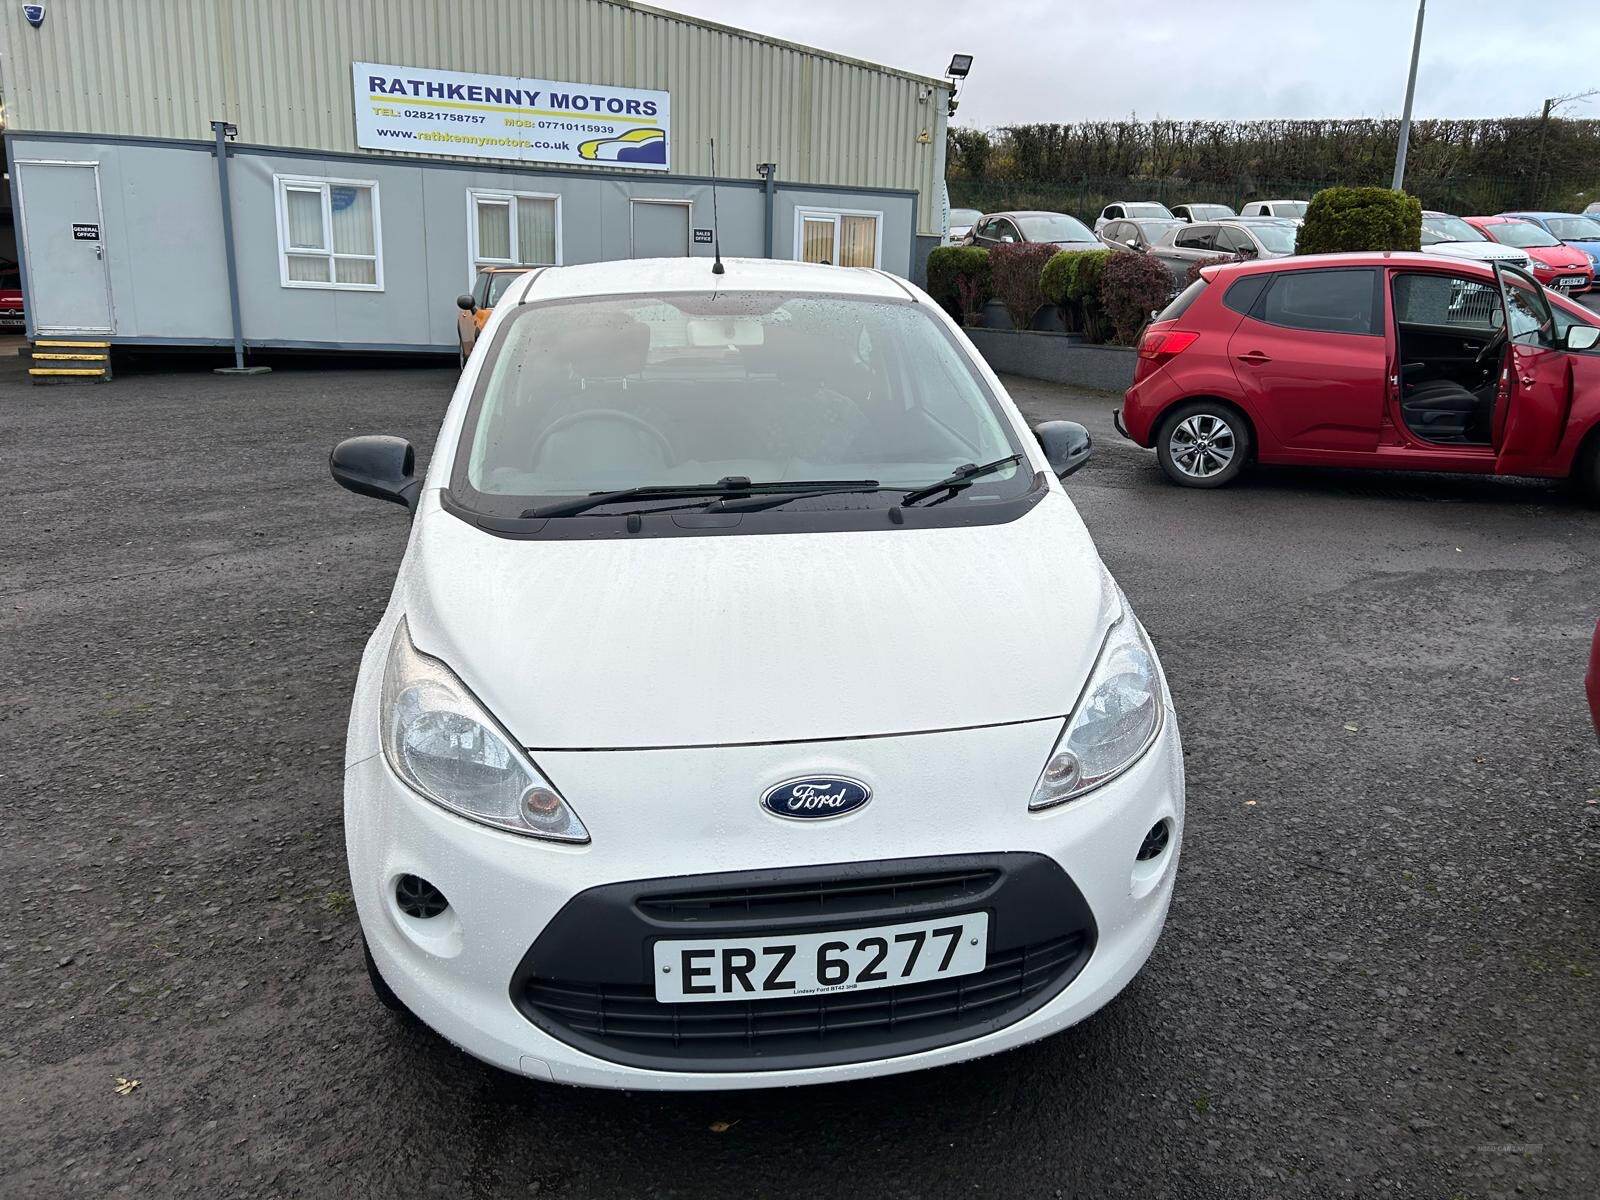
589	979
831	897
838	1021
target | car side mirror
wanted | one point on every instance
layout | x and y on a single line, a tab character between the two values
1066	445
465	303
1246	251
377	465
1582	337
1133	243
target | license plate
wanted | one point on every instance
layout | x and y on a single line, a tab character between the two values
811	964
1570	281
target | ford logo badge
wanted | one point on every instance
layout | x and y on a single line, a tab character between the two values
816	797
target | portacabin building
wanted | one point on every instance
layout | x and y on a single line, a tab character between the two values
363	159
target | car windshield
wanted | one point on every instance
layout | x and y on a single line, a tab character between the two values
1057	227
10	279
1294	209
1524	235
600	395
1278	239
499	281
1448	229
1209	212
1148	210
1154	227
1574	229
964	216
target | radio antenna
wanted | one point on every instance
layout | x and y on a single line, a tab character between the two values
716	230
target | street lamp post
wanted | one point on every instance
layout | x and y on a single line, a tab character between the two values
1411	91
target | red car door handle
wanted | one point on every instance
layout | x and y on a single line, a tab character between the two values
1255	358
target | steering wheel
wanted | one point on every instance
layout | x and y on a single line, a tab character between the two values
1490	348
616	417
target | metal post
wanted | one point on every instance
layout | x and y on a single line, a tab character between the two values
767	171
225	130
1411	91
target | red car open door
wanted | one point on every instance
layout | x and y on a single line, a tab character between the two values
1531	416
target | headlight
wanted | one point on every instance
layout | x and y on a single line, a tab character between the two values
1116	720
442	743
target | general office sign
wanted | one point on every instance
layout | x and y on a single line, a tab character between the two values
497	116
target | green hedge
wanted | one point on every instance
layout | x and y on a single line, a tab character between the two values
1072	280
953	270
1360	218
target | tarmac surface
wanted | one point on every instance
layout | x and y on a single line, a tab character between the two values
1380	977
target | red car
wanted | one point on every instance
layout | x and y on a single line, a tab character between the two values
1555	264
1393	361
1592	680
10	295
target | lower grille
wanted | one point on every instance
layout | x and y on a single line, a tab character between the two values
841	1020
588	980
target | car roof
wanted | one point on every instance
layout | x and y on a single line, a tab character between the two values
653	276
1251	220
1533	212
1028	212
1304	262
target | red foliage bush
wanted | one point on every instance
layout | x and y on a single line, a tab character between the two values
1016	274
1131	286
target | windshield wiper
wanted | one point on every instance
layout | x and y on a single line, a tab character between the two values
749	504
731	485
961	477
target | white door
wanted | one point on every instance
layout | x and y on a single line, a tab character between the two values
63	246
660	228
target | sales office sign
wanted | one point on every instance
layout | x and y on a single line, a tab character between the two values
422	111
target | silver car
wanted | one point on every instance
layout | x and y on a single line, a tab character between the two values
1138	234
1240	237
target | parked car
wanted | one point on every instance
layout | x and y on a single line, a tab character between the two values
961	222
1139	234
1553	263
1123	209
1592	208
767	886
1295	210
1394	361
12	315
1202	212
1592	680
477	306
1581	233
1010	228
1240	237
1445	234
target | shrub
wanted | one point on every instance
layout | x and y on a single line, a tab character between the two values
1017	272
958	278
1131	285
1071	279
1200	264
1360	218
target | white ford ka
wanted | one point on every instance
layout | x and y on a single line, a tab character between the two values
752	706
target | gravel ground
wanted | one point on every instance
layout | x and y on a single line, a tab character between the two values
1379	977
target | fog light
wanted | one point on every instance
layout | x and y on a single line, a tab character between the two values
419	898
1155	842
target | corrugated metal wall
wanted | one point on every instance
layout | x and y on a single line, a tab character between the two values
280	70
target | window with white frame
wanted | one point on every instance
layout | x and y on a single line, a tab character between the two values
843	237
513	229
329	234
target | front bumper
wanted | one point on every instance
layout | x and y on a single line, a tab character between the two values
674	817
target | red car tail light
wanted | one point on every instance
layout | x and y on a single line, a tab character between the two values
1161	344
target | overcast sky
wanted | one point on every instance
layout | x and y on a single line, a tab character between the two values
1066	60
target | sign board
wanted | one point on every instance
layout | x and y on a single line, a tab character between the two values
423	111
85	233
703	237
